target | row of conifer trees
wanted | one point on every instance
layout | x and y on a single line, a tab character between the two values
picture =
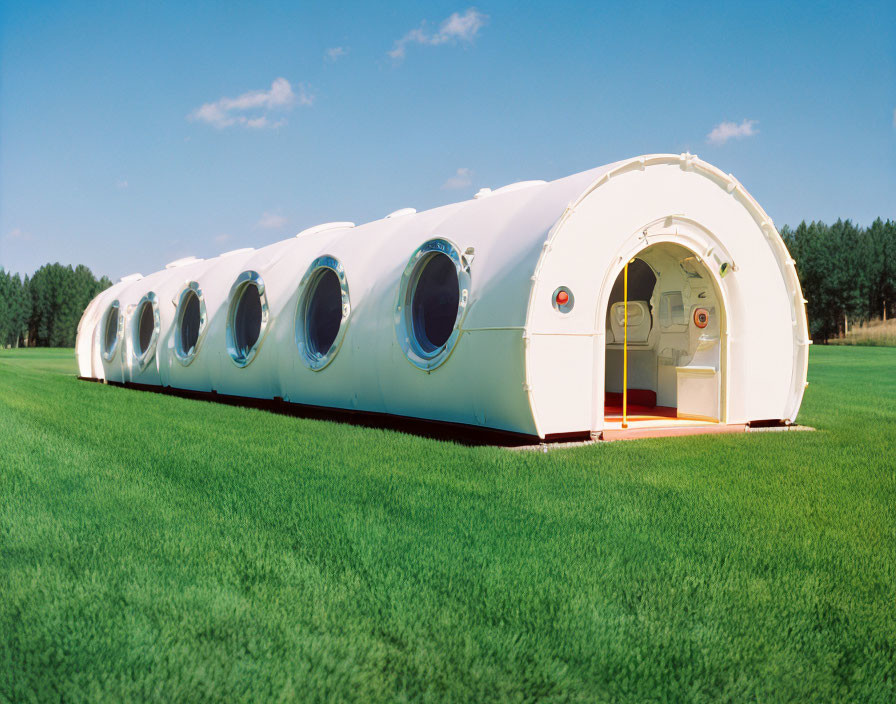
848	273
44	309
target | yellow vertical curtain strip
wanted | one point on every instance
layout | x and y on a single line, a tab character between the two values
625	348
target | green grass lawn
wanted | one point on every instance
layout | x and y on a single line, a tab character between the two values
157	548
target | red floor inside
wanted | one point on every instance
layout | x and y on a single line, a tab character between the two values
636	412
647	420
641	406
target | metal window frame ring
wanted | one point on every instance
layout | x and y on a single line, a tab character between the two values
428	360
244	280
142	359
108	354
307	286
184	358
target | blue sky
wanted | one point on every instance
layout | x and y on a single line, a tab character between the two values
132	134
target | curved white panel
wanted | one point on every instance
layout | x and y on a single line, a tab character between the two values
520	359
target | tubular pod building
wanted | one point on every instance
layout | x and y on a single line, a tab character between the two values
523	309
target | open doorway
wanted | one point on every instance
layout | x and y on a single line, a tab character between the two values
671	330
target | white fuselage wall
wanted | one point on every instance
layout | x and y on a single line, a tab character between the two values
519	364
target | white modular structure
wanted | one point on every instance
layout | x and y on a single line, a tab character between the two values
505	311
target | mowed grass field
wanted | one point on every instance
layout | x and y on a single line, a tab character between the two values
157	548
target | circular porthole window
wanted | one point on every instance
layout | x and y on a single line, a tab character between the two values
322	312
111	331
145	330
247	318
432	301
189	328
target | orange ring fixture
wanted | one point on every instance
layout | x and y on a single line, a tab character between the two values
701	318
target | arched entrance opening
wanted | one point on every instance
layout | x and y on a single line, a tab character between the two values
664	351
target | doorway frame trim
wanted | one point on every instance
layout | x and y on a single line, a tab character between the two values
685	232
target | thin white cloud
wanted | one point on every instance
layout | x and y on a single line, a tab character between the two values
252	109
462	178
260	123
18	234
121	184
724	131
222	238
335	53
456	28
271	221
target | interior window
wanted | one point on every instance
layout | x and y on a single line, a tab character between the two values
671	309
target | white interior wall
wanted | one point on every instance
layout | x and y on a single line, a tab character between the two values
671	342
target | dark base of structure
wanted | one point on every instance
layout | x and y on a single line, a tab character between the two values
439	430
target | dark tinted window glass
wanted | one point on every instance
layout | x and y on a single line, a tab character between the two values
147	325
247	320
189	323
434	303
324	314
111	331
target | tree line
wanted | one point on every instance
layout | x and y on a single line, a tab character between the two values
847	273
44	310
